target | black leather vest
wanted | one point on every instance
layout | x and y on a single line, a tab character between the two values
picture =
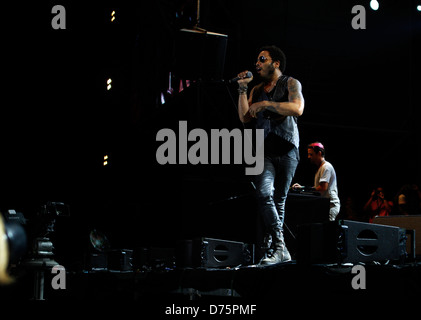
285	127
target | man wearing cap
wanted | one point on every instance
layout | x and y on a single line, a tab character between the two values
325	178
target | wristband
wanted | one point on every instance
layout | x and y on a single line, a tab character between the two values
242	89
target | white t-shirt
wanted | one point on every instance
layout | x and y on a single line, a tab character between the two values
326	173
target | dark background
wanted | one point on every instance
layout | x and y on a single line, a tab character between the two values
361	89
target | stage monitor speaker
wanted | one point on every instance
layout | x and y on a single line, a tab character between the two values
409	223
214	253
200	55
373	242
115	260
120	260
349	242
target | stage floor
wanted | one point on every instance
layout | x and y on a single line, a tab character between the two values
284	281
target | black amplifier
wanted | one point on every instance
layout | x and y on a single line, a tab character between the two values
214	253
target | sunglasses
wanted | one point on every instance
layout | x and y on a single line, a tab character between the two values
262	59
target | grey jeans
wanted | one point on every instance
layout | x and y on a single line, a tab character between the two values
272	187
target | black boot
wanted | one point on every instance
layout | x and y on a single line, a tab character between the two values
278	252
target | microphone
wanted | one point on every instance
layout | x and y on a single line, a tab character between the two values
248	75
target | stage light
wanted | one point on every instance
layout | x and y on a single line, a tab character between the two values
113	16
419	7
109	84
105	162
374	4
99	241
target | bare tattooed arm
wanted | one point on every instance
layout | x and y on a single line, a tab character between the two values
295	94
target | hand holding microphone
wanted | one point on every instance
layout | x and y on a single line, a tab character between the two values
243	77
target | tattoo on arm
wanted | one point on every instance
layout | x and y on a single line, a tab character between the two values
294	89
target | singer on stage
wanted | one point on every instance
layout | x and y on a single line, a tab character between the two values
273	105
